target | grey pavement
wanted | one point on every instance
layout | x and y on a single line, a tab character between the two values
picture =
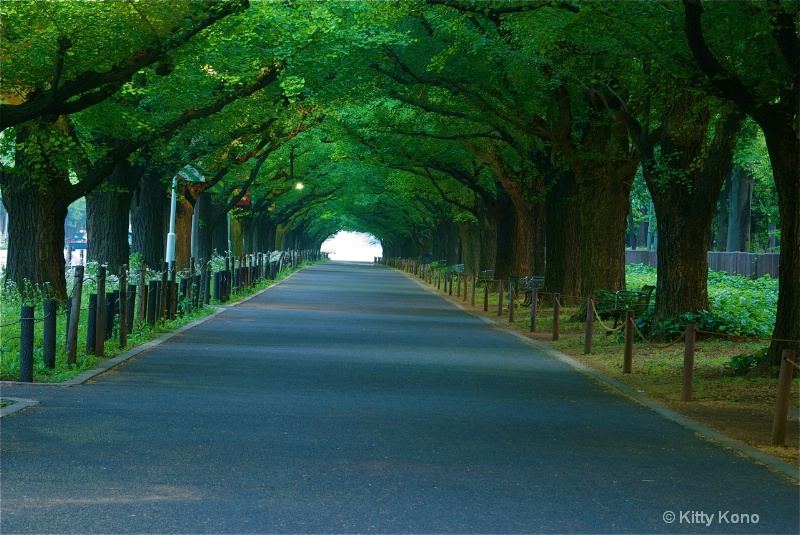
350	399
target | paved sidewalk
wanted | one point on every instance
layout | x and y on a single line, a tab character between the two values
351	399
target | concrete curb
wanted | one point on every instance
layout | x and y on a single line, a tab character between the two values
17	405
778	465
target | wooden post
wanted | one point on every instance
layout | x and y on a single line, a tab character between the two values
123	307
190	286
627	361
173	288
91	324
587	341
100	322
472	302
499	298
688	362
162	309
534	305
142	290
152	302
486	296
458	284
556	316
74	316
131	304
49	346
465	287
782	402
511	296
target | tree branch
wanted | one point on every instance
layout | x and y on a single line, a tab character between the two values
91	87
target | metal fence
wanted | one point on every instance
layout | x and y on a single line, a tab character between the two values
753	265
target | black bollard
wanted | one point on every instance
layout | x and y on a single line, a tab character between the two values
26	344
49	346
217	285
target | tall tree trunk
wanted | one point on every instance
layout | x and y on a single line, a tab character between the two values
470	237
107	216
604	206
784	153
721	238
147	219
36	218
488	223
685	188
36	237
183	231
741	195
504	265
563	269
605	165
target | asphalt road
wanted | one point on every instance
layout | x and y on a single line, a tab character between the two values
351	399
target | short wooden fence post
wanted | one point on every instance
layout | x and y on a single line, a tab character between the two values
556	316
511	296
49	345
74	316
472	302
162	304
123	307
587	341
534	305
782	402
499	298
152	302
627	361
91	324
688	362
142	289
131	305
100	321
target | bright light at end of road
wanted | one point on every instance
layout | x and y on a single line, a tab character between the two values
353	247
299	185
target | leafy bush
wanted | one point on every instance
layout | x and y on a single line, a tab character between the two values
741	364
739	306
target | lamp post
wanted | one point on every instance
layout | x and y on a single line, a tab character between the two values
170	257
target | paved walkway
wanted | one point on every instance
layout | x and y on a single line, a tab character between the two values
351	399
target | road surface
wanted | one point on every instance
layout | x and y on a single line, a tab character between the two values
350	399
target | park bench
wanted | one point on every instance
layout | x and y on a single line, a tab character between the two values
626	301
527	284
454	271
